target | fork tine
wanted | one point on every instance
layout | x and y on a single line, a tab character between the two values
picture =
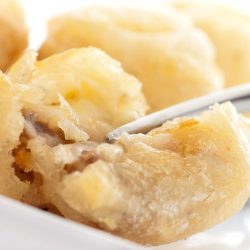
239	96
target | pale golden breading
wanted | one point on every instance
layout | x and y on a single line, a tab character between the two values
173	59
228	28
13	32
181	178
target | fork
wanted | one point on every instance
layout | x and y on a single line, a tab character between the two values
239	96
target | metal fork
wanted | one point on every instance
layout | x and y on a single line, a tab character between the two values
239	96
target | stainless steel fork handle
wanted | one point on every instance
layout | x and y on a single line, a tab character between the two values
239	96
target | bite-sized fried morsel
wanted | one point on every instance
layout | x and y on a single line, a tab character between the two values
228	28
99	93
181	178
174	60
13	32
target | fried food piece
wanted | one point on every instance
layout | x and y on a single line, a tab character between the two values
98	91
181	178
12	124
91	81
173	59
228	29
13	32
95	86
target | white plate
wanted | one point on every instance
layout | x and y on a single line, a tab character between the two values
231	235
26	228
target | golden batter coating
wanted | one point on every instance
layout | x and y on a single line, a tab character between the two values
228	28
13	32
174	60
